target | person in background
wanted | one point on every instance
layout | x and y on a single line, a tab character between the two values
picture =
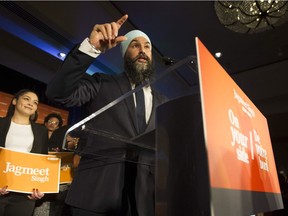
53	122
56	132
53	204
19	132
110	187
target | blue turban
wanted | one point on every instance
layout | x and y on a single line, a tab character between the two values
130	36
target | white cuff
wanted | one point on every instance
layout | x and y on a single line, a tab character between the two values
88	49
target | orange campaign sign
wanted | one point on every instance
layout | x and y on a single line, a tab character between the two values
66	171
236	133
22	172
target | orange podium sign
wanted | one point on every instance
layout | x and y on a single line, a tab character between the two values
236	133
22	172
240	156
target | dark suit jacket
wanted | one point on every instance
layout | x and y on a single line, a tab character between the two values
40	143
100	184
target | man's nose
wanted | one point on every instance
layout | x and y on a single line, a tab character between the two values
141	49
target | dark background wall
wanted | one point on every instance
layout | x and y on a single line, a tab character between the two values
12	81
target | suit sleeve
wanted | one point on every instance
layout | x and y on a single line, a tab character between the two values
71	86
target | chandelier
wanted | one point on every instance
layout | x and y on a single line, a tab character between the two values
251	16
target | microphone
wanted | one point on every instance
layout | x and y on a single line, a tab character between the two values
191	64
168	60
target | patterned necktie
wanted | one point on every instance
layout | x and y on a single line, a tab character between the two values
140	110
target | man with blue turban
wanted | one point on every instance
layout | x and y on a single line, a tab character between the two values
111	179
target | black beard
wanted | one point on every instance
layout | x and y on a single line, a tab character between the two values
137	71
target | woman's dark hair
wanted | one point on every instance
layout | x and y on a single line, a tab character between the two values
11	108
54	115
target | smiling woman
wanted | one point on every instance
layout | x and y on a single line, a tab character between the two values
19	132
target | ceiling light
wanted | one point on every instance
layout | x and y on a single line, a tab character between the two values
61	55
251	16
218	54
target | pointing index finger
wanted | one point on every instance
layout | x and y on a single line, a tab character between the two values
122	20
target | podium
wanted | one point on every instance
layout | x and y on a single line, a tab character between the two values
211	148
214	154
182	177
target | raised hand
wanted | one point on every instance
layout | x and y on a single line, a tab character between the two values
105	36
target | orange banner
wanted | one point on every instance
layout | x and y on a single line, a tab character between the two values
66	172
236	133
22	172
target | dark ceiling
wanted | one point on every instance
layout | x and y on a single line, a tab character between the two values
32	34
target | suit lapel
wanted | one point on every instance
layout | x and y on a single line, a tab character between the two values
125	86
155	103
